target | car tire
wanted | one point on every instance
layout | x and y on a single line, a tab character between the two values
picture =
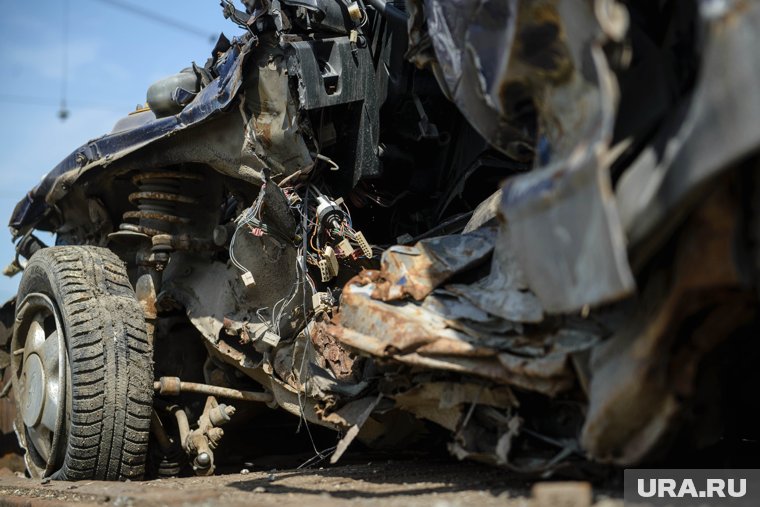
82	367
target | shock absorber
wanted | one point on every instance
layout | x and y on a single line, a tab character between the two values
162	201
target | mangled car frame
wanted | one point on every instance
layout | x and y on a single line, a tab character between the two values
531	225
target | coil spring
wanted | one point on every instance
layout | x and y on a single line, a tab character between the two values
160	201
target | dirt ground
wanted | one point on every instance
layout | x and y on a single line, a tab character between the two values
414	477
388	483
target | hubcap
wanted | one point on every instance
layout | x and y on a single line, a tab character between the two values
39	371
33	394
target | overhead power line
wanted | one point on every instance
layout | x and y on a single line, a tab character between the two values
63	112
157	17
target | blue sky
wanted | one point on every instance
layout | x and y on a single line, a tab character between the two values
113	56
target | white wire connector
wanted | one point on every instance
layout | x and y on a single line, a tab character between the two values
328	264
271	338
332	260
320	302
355	12
324	270
248	279
366	249
345	247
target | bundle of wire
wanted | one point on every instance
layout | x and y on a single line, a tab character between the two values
252	221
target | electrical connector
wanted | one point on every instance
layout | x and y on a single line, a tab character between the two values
324	270
345	247
248	279
320	302
332	260
271	338
366	249
355	12
328	264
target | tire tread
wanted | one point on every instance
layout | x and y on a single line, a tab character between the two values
110	359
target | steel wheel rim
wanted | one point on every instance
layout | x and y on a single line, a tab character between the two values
40	370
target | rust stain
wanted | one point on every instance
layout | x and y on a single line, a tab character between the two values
135	197
341	361
540	42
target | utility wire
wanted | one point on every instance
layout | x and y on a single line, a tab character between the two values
63	112
159	18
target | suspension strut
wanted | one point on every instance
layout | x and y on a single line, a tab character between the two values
161	200
165	200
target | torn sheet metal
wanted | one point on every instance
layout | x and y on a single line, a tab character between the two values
570	216
472	41
715	128
274	145
417	270
356	420
504	292
447	332
563	220
643	375
564	229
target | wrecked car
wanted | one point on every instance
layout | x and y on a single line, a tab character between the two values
531	225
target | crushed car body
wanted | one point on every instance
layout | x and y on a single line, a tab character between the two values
529	224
